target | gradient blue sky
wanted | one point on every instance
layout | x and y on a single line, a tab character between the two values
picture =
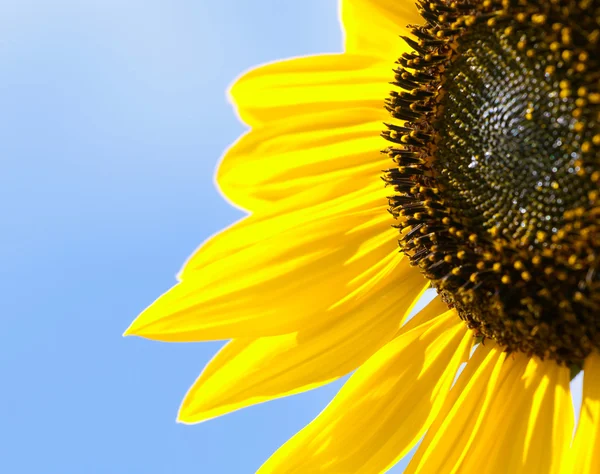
113	115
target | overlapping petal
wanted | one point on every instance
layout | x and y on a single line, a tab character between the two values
384	408
334	150
453	432
528	427
307	113
511	416
315	120
250	371
281	272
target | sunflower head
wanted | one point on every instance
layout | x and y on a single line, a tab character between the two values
496	184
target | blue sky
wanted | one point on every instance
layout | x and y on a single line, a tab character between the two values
113	115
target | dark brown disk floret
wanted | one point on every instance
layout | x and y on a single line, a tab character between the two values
498	167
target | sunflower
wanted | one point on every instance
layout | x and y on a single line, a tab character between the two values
488	116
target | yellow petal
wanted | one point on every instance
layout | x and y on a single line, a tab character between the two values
529	425
337	150
384	408
373	26
287	89
585	458
453	431
250	371
276	274
296	103
519	420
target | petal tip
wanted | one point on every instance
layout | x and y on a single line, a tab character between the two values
186	417
129	331
134	329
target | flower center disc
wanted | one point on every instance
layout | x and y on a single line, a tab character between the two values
498	167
